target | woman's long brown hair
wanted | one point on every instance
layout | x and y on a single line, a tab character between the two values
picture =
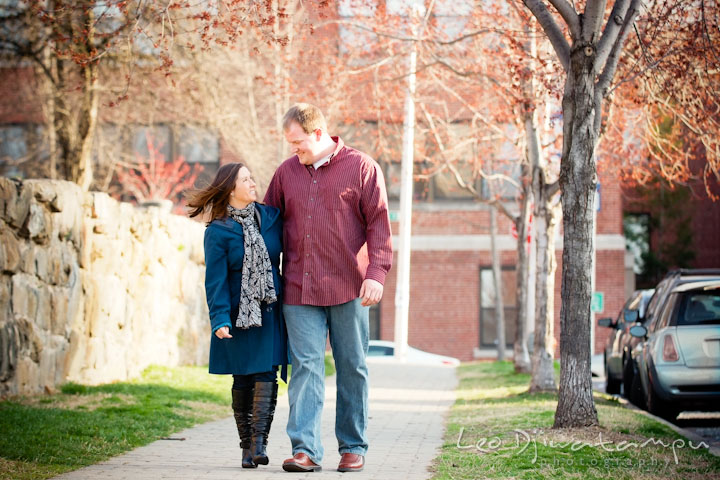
216	196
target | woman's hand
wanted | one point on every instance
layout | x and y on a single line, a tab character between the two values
223	332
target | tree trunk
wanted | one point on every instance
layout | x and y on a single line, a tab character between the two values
47	72
75	125
577	183
87	124
521	357
546	218
497	279
62	123
532	157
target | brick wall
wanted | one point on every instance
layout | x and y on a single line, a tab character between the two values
445	285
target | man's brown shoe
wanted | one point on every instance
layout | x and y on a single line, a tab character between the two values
351	462
300	462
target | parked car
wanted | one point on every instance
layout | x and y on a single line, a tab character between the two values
617	347
673	278
678	357
384	348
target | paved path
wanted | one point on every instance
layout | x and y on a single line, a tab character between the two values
408	410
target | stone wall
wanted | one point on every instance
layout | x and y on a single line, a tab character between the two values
93	290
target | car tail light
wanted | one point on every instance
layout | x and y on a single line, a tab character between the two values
669	351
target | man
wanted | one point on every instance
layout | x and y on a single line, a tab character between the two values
337	252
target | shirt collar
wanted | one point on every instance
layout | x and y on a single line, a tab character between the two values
322	161
338	146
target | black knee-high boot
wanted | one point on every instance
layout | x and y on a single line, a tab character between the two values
242	403
263	410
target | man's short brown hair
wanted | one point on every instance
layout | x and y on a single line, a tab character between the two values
308	116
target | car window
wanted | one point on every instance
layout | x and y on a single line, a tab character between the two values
666	314
380	351
634	301
700	308
620	320
644	300
655	301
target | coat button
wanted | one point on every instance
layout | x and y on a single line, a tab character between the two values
268	309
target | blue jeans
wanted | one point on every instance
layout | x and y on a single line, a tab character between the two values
308	328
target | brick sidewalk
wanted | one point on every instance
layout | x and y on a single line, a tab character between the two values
408	409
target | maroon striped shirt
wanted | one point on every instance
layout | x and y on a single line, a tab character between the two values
336	226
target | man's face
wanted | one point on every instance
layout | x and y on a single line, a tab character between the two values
305	145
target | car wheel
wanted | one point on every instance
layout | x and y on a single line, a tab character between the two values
627	378
660	407
636	392
612	385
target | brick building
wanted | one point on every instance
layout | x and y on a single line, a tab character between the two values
450	261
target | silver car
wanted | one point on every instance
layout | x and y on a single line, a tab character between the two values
619	343
386	350
678	359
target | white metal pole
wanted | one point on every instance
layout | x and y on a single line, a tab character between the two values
402	292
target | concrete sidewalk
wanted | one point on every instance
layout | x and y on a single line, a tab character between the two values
408	410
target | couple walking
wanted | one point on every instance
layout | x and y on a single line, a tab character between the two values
326	211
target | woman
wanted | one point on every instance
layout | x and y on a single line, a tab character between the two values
243	241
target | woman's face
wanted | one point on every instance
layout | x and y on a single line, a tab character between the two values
244	192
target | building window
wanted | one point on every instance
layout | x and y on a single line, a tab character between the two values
355	37
446	187
450	18
200	146
157	138
488	321
393	173
124	147
636	227
505	189
432	181
23	151
13	150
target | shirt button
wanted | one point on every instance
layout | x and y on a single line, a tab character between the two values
309	216
307	254
308	236
314	181
312	199
306	274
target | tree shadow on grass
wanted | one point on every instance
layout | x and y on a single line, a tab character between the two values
511	399
122	416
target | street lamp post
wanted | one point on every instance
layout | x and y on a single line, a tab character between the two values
402	292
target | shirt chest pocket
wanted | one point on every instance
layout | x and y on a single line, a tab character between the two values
340	198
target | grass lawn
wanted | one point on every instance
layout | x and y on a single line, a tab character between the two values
43	436
498	430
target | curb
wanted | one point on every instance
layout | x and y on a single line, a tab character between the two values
692	436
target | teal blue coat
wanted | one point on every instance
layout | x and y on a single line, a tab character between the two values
257	349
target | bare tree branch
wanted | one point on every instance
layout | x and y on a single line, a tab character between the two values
593	19
460	73
615	22
567	11
552	189
552	30
487	122
608	71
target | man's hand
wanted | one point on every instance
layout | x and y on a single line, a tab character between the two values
371	292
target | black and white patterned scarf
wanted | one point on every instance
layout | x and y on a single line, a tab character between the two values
257	277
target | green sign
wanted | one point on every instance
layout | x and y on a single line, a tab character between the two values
596	303
393	215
